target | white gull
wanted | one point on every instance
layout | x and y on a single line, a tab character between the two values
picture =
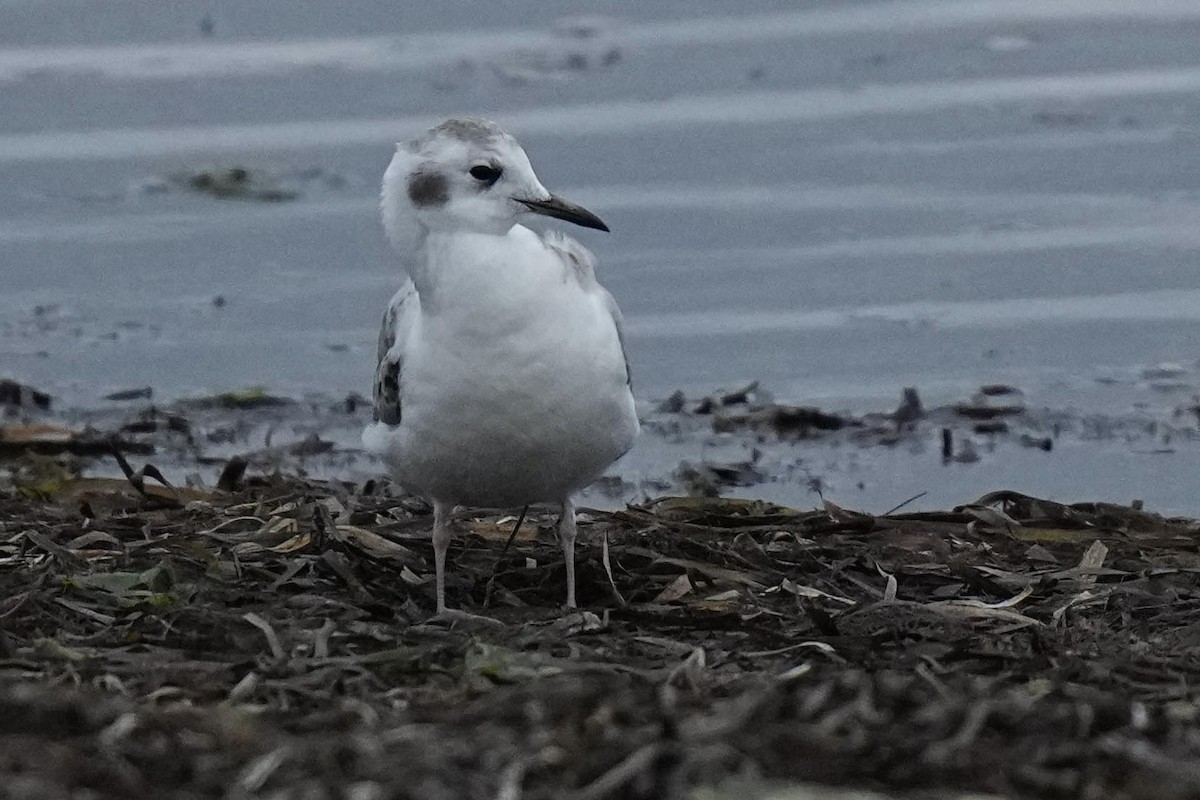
502	378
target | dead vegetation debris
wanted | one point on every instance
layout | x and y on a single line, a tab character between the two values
263	429
755	410
274	641
256	184
242	399
125	395
41	439
14	396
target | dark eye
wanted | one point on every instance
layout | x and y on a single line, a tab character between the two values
486	173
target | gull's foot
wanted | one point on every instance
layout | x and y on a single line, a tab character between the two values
455	617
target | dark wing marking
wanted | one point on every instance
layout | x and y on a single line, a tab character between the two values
389	361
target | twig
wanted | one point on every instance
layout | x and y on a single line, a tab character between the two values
487	595
62	554
608	571
137	479
19	600
906	502
260	770
268	631
625	771
341	565
323	525
321	642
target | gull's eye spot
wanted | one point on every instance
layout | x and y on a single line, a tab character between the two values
428	189
486	173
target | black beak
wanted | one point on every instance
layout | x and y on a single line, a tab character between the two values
561	209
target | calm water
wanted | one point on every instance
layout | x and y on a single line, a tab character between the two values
837	198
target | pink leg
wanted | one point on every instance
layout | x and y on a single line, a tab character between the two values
566	539
442	534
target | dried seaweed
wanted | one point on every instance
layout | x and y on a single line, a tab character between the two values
272	639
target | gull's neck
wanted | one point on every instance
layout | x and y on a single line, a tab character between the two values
403	230
466	268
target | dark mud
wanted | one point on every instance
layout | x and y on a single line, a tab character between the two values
274	641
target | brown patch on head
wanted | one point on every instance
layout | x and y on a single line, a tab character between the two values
471	130
468	130
426	189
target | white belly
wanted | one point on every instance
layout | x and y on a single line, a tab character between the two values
507	410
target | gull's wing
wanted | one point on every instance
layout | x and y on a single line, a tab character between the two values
397	320
619	322
580	264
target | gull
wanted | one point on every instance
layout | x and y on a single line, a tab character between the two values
502	378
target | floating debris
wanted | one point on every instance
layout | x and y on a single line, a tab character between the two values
762	413
991	401
144	393
238	183
254	397
910	410
674	404
15	395
156	420
747	395
797	422
243	183
1045	443
1165	371
709	479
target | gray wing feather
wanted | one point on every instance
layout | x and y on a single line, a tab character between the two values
619	322
389	356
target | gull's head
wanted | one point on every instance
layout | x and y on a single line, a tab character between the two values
467	175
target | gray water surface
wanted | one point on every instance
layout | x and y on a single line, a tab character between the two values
838	200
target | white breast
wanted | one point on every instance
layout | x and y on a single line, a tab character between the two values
513	381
